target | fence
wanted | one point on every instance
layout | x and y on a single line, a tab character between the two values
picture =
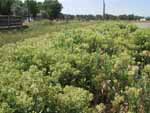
10	22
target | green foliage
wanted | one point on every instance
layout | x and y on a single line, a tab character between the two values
52	8
32	7
39	29
5	7
95	69
18	8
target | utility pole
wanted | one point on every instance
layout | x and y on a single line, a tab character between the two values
104	7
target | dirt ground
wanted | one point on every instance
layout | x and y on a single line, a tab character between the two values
143	24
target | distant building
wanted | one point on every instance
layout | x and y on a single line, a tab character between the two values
143	19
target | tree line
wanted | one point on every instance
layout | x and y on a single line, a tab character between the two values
51	9
100	17
31	8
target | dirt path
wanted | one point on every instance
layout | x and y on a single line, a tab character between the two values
143	24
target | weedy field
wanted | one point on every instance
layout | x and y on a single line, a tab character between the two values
37	29
75	67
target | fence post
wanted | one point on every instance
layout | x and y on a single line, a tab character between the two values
8	21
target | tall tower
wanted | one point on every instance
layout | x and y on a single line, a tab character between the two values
104	6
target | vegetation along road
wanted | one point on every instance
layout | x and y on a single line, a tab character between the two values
75	67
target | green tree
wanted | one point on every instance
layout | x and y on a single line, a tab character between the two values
18	8
52	8
32	7
5	7
40	5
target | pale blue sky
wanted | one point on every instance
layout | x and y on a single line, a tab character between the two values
138	7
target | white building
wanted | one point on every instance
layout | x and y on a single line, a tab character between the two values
143	19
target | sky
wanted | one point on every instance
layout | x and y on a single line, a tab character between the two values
116	7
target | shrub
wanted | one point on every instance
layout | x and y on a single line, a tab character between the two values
103	68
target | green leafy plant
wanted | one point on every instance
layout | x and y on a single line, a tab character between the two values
96	69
